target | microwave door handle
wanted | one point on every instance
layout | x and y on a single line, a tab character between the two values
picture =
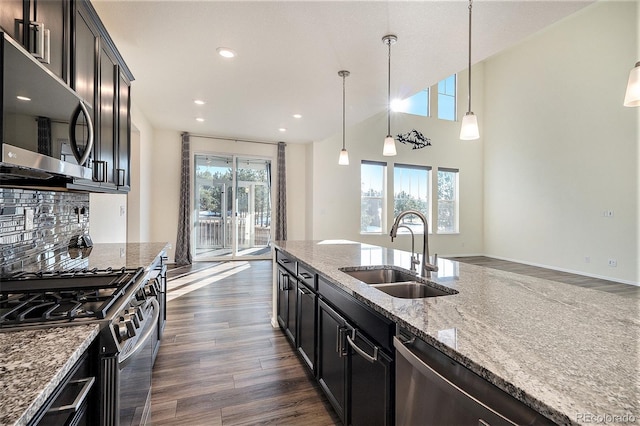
81	108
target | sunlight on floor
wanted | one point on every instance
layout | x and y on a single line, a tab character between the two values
195	281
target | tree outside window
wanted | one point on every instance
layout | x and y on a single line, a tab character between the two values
447	200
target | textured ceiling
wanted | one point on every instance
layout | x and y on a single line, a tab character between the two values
289	55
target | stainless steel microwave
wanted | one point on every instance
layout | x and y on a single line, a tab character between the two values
46	128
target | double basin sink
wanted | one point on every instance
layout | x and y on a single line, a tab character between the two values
398	283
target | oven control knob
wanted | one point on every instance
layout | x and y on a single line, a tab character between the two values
139	313
121	331
131	328
134	318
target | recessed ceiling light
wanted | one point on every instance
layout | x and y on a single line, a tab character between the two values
200	119
199	102
297	115
282	129
23	98
225	52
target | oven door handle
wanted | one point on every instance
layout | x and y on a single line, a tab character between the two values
122	362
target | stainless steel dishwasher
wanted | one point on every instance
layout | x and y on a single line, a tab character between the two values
433	389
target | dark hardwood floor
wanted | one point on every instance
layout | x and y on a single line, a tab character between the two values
221	362
624	290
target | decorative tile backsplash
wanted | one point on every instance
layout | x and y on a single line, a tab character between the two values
34	225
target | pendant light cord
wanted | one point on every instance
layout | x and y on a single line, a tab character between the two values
343	78
389	90
469	94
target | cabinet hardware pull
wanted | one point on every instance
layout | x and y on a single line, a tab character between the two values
305	275
82	395
359	351
482	423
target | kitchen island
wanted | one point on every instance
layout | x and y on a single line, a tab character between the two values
570	353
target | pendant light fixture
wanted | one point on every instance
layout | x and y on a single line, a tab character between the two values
389	147
469	129
344	155
632	97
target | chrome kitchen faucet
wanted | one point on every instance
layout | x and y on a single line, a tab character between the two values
427	267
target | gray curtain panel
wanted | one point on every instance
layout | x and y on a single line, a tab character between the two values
281	201
183	240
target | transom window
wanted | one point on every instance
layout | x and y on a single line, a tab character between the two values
447	98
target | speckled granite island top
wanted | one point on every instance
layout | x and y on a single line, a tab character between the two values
572	354
33	363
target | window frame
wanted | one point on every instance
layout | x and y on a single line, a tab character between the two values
429	197
454	96
383	198
455	202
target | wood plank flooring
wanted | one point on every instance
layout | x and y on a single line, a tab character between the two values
221	362
624	290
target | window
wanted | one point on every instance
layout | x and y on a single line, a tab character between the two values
372	196
417	104
447	98
447	200
411	192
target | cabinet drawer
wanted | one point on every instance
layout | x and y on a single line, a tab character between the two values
380	329
286	261
307	276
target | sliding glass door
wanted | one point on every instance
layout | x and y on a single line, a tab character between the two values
232	207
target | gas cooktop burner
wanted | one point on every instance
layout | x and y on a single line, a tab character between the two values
40	297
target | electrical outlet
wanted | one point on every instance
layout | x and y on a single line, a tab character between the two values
607	213
613	263
28	219
587	259
122	211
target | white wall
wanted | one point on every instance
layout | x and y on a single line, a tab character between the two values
336	189
560	148
108	218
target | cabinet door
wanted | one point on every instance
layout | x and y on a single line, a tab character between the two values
307	325
11	13
52	16
123	177
292	302
332	361
371	392
283	298
83	63
105	153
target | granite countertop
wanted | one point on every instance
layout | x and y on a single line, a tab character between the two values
572	354
33	363
101	256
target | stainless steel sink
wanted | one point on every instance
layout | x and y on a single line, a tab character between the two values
412	290
398	283
380	276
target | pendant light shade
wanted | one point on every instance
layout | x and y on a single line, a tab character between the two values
632	97
343	160
469	129
389	148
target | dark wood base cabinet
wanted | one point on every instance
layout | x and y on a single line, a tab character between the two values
346	345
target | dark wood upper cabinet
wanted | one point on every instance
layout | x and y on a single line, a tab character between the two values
11	17
46	34
101	77
123	175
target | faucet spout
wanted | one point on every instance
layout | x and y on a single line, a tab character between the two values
426	267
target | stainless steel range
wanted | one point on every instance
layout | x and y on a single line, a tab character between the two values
125	302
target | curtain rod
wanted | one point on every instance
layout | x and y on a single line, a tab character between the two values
233	139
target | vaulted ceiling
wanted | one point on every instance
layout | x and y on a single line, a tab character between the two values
289	54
